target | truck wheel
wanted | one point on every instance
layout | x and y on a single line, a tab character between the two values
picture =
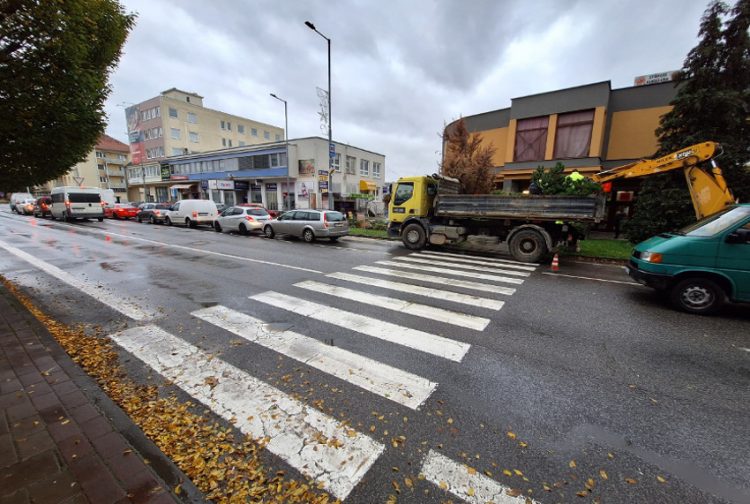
414	237
527	246
698	295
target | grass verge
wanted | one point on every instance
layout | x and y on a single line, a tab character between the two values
369	233
605	249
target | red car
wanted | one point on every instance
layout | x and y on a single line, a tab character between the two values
120	211
272	213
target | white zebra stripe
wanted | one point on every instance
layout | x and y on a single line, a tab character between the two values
294	431
444	262
399	305
386	381
492	259
412	338
455	297
447	271
451	282
430	255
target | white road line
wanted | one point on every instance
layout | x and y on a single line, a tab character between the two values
455	297
399	305
116	302
466	256
590	278
386	381
445	263
412	338
466	483
448	271
444	281
429	255
312	442
744	349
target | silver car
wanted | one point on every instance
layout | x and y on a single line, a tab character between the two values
309	225
241	219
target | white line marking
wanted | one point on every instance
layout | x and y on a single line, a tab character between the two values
452	282
493	259
419	260
412	338
399	305
744	349
418	290
590	278
468	485
116	302
429	255
386	381
447	271
295	432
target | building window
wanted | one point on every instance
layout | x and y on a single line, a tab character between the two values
336	163
531	139
192	118
254	131
229	142
122	157
278	137
376	169
223	142
156	152
573	137
177	151
194	137
364	168
351	163
266	135
99	154
172	112
241	129
223	125
175	133
229	126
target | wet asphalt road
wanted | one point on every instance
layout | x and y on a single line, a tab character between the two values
602	373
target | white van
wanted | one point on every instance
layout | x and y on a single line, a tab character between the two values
72	202
18	199
192	212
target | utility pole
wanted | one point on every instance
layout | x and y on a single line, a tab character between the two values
287	205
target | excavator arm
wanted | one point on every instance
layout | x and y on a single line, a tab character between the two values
708	189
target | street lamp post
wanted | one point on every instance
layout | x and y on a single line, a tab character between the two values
287	205
330	114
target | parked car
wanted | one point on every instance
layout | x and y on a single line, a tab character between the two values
72	202
152	212
220	207
309	225
120	211
43	206
272	213
18	199
191	213
241	219
26	206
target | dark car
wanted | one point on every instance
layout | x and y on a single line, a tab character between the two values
152	212
43	206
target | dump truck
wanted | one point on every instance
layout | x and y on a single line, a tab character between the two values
431	210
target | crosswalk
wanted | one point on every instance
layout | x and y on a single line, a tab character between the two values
426	286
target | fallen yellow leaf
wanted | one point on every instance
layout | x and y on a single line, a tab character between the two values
661	479
507	472
572	464
603	474
511	435
470	492
631	481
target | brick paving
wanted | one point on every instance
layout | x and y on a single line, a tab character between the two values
56	446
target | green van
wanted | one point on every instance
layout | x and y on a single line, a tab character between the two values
701	266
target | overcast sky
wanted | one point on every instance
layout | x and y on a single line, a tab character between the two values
401	69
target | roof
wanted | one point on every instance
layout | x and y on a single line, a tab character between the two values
107	143
181	91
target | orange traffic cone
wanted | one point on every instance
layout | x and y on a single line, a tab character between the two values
555	263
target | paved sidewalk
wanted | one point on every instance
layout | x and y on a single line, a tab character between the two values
55	444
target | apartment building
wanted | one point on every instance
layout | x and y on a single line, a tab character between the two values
279	175
176	123
104	167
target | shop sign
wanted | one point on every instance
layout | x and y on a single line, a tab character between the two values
204	184
165	172
241	185
271	187
212	184
225	185
178	177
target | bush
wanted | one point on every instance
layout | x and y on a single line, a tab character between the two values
554	181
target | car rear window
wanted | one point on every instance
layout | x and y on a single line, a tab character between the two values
256	211
84	197
163	206
335	216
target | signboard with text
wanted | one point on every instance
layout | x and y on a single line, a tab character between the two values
656	78
166	173
225	185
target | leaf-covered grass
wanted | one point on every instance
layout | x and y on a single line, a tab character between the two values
605	249
370	233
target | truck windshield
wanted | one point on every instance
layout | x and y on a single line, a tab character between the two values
716	223
403	193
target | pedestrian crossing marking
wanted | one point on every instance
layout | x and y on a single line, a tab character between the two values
387	331
491	259
295	432
448	271
455	297
409	307
469	260
386	381
444	281
443	262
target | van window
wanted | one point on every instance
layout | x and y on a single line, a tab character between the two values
404	192
84	197
58	198
716	223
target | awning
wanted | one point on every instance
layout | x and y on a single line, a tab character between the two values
365	185
181	186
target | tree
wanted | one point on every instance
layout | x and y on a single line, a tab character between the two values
713	103
468	160
55	62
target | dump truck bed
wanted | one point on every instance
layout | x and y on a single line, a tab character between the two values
526	207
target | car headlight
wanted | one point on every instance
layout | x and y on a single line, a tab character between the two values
652	257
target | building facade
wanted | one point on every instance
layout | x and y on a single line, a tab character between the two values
104	167
176	123
280	175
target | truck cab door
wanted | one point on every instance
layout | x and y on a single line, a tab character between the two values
734	259
403	202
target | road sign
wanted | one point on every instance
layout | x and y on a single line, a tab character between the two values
332	150
79	180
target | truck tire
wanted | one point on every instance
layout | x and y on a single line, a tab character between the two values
698	295
527	246
414	237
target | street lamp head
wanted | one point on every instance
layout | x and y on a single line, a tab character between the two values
310	25
274	96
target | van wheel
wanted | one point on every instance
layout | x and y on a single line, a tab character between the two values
268	231
189	223
527	246
698	295
167	221
414	237
308	235
100	219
